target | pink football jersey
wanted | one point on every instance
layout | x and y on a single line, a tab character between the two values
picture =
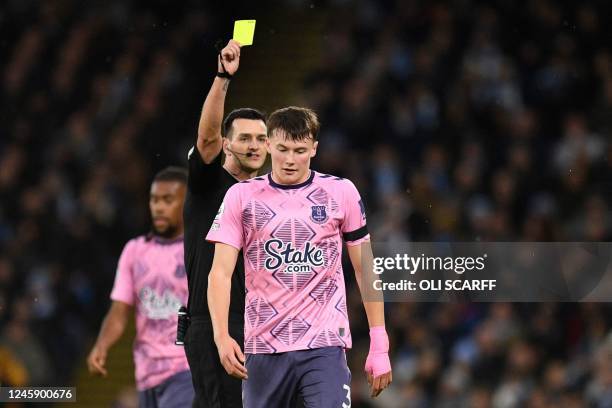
151	277
291	237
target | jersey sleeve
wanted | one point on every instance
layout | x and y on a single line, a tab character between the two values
123	288
202	177
354	227
227	226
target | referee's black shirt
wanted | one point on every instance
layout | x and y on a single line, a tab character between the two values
206	187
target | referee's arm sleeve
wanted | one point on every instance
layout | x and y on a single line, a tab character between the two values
203	177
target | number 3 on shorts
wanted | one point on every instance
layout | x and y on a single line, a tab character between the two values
348	396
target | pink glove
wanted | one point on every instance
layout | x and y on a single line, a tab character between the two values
378	362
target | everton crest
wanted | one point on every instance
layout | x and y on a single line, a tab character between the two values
319	214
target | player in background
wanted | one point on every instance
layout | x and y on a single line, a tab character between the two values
150	282
290	225
243	142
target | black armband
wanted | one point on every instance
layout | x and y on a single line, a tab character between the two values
355	235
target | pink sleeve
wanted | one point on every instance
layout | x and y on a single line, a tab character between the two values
354	227
123	289
227	227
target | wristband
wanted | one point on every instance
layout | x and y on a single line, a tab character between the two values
224	75
378	362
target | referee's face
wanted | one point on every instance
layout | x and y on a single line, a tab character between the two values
166	205
247	141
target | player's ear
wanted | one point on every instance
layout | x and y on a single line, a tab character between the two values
313	152
226	149
268	148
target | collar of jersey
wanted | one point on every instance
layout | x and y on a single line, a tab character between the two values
165	241
291	186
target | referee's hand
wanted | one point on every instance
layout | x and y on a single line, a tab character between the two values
230	57
231	357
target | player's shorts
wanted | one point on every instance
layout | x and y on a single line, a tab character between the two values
175	392
320	376
214	388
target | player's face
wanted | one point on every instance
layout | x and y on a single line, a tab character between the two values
166	205
290	159
247	143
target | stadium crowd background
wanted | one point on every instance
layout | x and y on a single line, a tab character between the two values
462	120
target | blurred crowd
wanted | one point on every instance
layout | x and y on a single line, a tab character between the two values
93	98
461	121
471	120
476	121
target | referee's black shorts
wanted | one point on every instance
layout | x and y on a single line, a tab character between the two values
214	388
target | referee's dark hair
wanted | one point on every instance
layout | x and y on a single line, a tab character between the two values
241	113
172	173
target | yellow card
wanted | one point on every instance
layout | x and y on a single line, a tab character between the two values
244	30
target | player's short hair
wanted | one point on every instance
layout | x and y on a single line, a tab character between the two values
298	123
241	113
172	173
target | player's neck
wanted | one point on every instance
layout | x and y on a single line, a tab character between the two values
169	238
302	179
237	171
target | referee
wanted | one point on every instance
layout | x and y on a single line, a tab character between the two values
243	142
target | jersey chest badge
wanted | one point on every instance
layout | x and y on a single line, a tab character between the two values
318	214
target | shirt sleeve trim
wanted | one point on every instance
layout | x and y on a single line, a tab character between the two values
224	241
127	299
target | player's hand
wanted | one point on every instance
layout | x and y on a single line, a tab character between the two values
378	382
96	361
230	55
378	365
231	357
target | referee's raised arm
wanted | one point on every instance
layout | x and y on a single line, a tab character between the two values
209	141
242	136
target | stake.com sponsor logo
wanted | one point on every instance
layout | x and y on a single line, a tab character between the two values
297	261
